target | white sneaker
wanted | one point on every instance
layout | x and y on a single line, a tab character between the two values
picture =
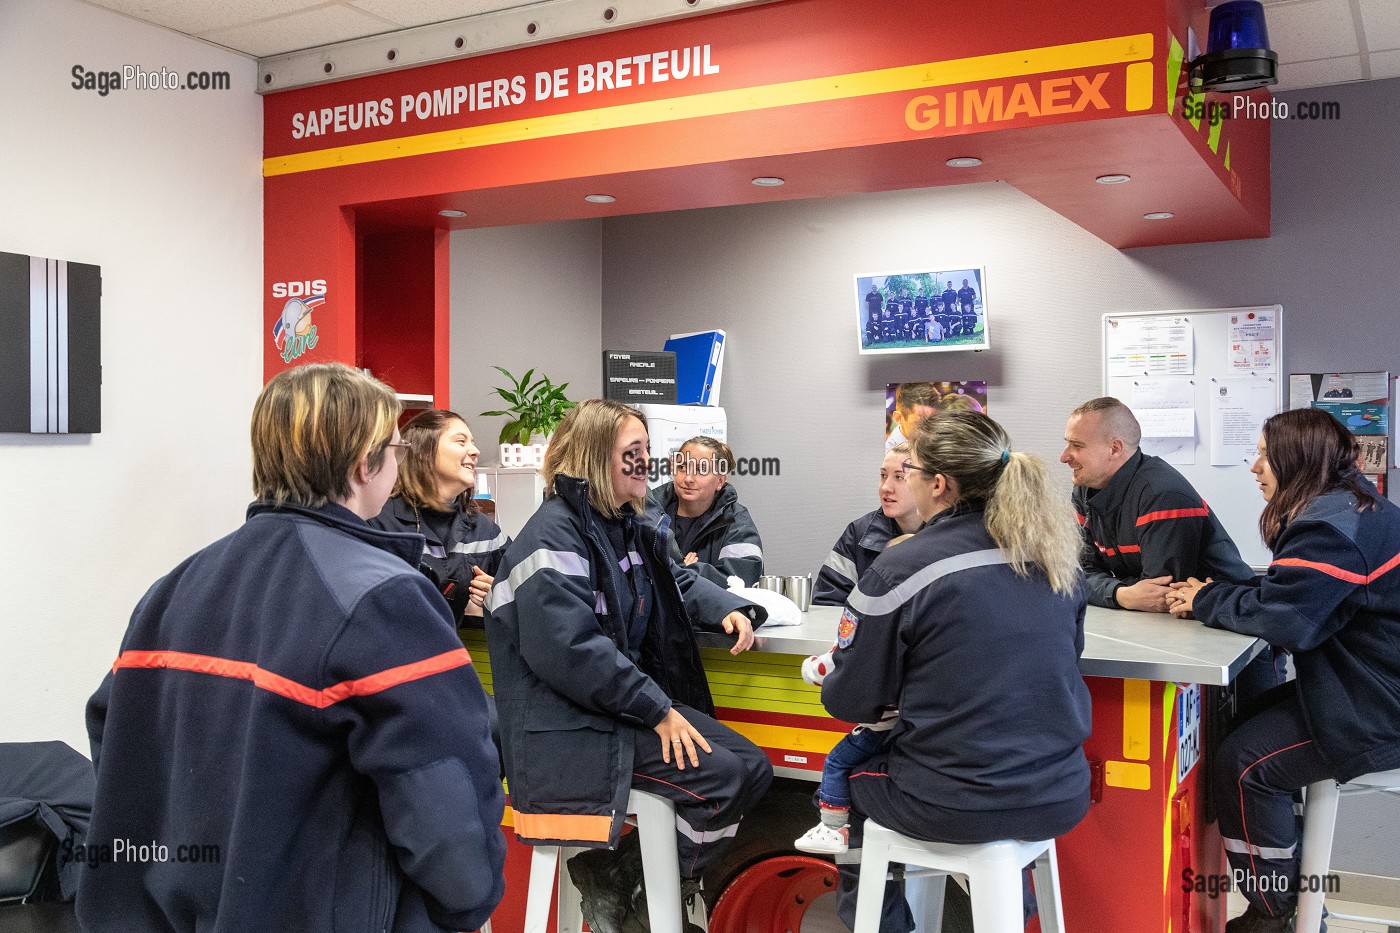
824	840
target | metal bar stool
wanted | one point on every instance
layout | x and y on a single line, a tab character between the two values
1319	823
656	823
993	871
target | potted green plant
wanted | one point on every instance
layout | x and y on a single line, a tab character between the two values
533	407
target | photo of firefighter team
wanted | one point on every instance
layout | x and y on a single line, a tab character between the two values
913	312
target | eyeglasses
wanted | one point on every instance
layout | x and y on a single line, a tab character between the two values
400	450
907	465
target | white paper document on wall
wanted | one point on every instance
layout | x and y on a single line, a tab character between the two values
1165	409
1150	346
1238	409
1253	342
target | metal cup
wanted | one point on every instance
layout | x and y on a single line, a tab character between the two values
770	582
799	590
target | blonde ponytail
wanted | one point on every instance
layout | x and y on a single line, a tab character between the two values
1029	517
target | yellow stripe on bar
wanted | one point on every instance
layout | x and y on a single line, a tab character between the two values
1137	720
807	740
1075	55
1128	775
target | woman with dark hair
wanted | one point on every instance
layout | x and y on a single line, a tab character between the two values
711	533
597	672
973	629
1332	597
433	498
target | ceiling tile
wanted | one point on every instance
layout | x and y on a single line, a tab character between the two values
196	18
1385	64
423	12
303	30
1381	18
1293	75
1312	29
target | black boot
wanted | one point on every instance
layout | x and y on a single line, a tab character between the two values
640	922
605	882
1254	920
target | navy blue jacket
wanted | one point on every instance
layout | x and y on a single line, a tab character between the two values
472	541
294	701
726	543
982	663
1149	522
561	671
851	556
1332	597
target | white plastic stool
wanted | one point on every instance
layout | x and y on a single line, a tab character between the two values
1319	822
993	871
661	867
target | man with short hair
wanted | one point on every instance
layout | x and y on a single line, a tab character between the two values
913	401
1145	527
292	736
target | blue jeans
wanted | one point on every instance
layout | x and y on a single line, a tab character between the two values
855	749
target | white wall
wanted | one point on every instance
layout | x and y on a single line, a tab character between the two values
524	297
163	190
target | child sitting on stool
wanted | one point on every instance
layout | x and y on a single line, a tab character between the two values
864	742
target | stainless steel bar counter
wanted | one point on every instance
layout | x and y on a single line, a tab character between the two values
1117	643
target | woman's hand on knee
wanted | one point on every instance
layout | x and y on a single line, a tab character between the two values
680	738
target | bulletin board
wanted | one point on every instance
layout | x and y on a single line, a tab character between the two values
1201	383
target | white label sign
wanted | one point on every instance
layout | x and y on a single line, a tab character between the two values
1188	730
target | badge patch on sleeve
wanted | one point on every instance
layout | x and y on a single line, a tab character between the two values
846	628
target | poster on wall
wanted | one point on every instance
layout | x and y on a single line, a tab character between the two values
1361	402
907	402
920	312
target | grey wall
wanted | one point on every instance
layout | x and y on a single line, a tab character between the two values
524	297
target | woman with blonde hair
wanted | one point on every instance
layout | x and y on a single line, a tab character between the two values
433	497
973	629
711	533
597	671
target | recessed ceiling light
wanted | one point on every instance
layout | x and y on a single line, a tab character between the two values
768	181
454	214
599	198
1158	215
964	162
1113	179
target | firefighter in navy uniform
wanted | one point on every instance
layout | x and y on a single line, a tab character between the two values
597	672
1145	527
979	654
867	536
967	300
710	532
462	548
950	310
1331	596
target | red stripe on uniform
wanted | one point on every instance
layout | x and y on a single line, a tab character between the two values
1333	570
1202	512
276	683
1121	549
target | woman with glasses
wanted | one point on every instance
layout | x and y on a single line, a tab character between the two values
597	671
711	533
973	628
433	498
1331	596
867	536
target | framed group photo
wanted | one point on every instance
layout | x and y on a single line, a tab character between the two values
921	312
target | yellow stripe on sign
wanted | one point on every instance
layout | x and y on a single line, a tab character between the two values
1167	830
1137	720
1176	57
1168	712
1128	775
817	741
1069	57
1139	86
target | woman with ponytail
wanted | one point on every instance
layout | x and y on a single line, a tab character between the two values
1332	597
973	629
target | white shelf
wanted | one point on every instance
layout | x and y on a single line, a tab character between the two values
415	401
